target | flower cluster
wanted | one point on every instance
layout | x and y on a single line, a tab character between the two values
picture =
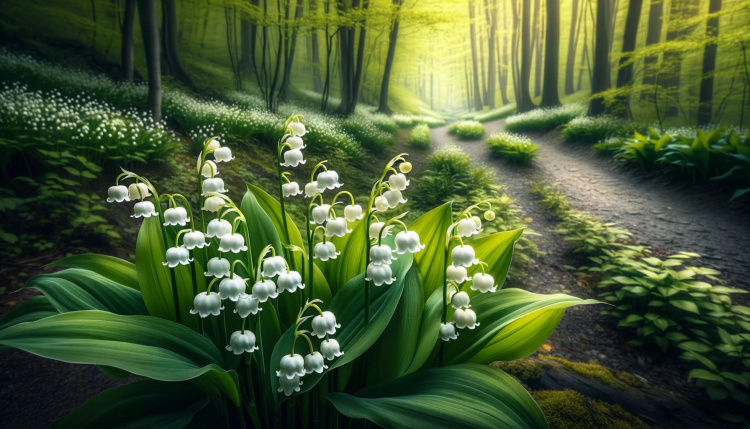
463	257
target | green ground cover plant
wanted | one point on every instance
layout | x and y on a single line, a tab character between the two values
495	114
513	147
544	119
467	130
594	129
419	137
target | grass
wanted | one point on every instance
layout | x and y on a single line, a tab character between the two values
595	129
406	121
419	137
544	119
467	130
513	147
495	114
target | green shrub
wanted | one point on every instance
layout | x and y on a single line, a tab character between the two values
495	114
403	121
367	133
551	198
544	119
608	146
419	137
513	147
595	129
467	130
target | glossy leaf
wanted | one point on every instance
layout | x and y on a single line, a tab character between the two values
340	270
432	228
34	308
115	269
496	250
143	345
468	395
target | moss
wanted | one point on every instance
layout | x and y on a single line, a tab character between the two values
568	409
524	369
630	379
588	370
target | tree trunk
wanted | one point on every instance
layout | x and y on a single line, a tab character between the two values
468	85
472	33
126	53
285	95
571	57
357	84
315	48
669	78
629	38
655	16
601	57
503	75
491	61
705	106
383	103
536	48
246	57
150	32
171	46
524	102
550	97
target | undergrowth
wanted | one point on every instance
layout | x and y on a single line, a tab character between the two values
544	119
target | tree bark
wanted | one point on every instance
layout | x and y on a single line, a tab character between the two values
524	102
669	78
150	32
383	103
536	48
315	48
475	71
503	75
571	56
285	95
126	53
629	38
601	57
705	105
550	97
655	22
491	61
357	83
171	45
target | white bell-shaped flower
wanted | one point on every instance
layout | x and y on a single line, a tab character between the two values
177	256
330	349
298	128
375	228
234	243
296	143
289	385
398	181
408	241
289	282
218	228
247	304
483	283
329	180
117	194
176	216
232	288
381	204
320	214
448	331
291	366
217	267
290	189
293	158
394	198
138	191
223	154
404	167
207	303
195	239
463	256
242	343
466	228
213	204
465	318
215	186
311	189
460	300
457	274
208	168
273	266
213	145
325	251
353	212
314	362
381	254
265	289
144	209
337	228
477	222
379	274
324	324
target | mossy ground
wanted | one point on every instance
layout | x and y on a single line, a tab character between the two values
568	409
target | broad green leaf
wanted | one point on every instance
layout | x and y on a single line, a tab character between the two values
429	328
143	345
468	395
144	404
34	308
115	269
76	289
495	250
340	270
704	375
432	228
685	305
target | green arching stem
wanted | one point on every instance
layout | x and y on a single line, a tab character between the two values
383	229
208	289
482	265
189	210
237	261
262	255
472	207
234	223
342	192
321	164
177	238
312	349
281	190
243	325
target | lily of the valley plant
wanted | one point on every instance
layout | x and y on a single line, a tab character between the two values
235	315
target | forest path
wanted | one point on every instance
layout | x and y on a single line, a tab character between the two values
666	219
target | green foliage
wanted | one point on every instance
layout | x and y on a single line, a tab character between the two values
523	369
467	130
513	147
544	119
495	114
717	154
609	146
419	137
591	130
568	409
551	198
406	121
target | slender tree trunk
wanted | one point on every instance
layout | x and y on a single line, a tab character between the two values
315	49
126	53
357	84
705	106
475	71
290	54
383	104
524	102
584	52
468	85
171	45
601	57
536	48
491	60
629	38
150	32
504	67
550	97
655	22
571	56
246	60
670	78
